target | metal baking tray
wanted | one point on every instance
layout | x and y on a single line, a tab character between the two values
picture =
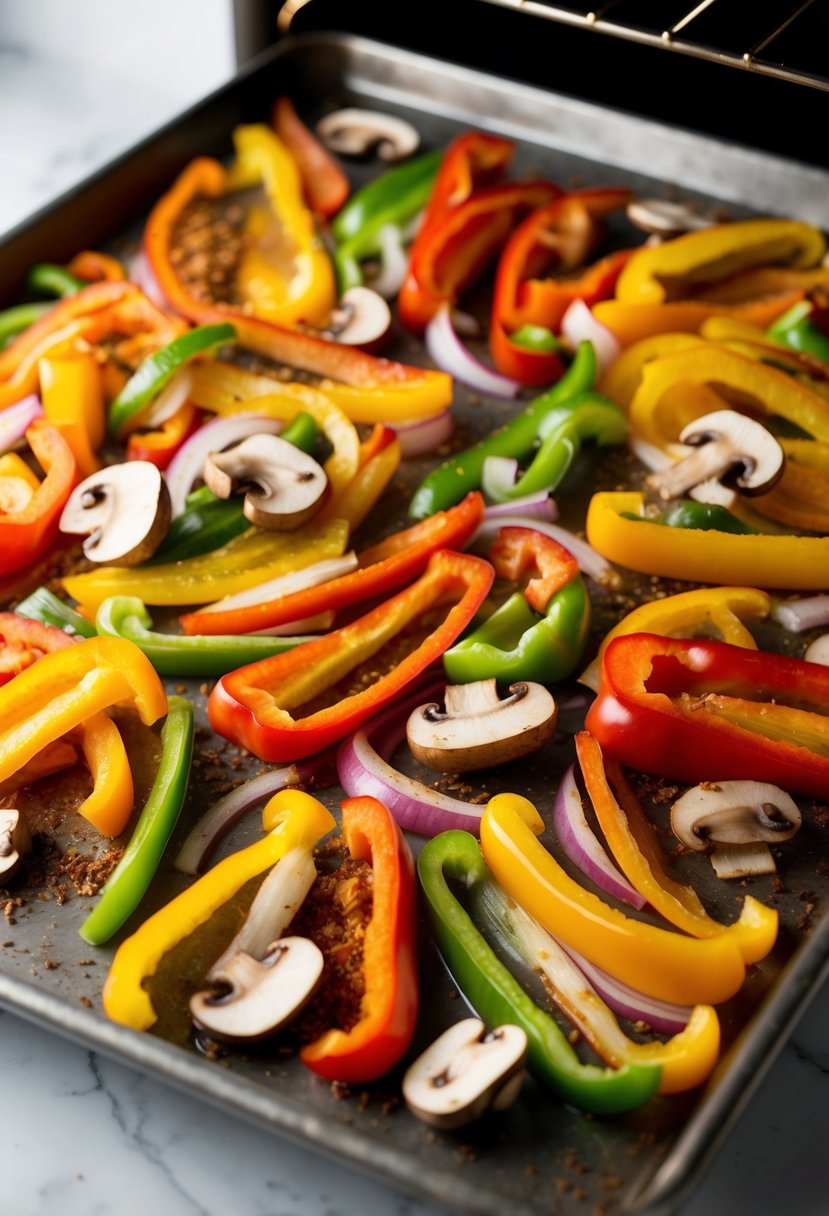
540	1156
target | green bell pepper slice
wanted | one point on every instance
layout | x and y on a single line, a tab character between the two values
206	523
516	644
796	330
15	320
458	476
47	279
125	616
389	201
126	886
44	606
498	998
157	369
537	338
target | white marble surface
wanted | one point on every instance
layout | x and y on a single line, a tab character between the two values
88	1137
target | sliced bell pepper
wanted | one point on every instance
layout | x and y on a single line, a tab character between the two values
388	1010
18	483
207	523
292	819
562	235
659	962
706	711
253	706
456	477
27	534
44	606
158	369
160	446
498	998
110	804
46	279
93	267
674	268
324	184
383	568
459	246
684	1060
624	375
634	845
391	201
356	499
124	616
764	281
24	641
797	563
631	322
17	319
73	402
254	557
68	686
689	614
514	643
704	516
126	886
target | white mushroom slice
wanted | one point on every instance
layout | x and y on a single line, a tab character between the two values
283	486
728	447
123	510
15	842
252	999
818	652
733	818
478	730
362	318
465	1073
353	132
666	219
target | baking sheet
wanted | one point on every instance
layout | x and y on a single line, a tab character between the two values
541	1156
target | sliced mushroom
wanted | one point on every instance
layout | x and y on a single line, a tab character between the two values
123	510
728	447
252	999
465	1073
353	132
362	318
283	486
478	730
665	219
15	842
735	819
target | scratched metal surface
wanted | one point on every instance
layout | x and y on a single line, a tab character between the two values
540	1156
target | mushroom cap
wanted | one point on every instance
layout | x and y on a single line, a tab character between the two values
758	459
283	486
255	998
123	510
478	729
355	132
664	218
15	841
466	1072
734	812
362	318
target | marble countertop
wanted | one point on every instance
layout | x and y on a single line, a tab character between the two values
86	1135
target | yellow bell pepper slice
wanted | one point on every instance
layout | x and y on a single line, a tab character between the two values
292	820
634	845
690	614
284	274
623	377
18	484
254	557
65	688
355	500
657	273
659	962
73	402
110	804
630	322
782	562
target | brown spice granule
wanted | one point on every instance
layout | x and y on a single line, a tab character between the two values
88	872
777	885
563	1185
85	1001
340	1090
50	964
580	1194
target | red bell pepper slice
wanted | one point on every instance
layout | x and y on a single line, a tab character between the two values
252	706
708	711
456	250
324	184
23	642
388	1011
561	234
383	568
160	446
518	551
26	535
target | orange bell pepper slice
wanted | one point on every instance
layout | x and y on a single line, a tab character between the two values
26	535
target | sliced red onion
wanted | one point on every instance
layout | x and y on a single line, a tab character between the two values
363	769
451	356
818	652
423	436
14	420
287	584
498	477
169	401
661	1016
221	817
579	325
465	324
582	846
532	506
797	615
394	262
308	625
187	464
591	563
141	273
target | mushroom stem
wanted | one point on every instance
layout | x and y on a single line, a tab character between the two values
728	447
